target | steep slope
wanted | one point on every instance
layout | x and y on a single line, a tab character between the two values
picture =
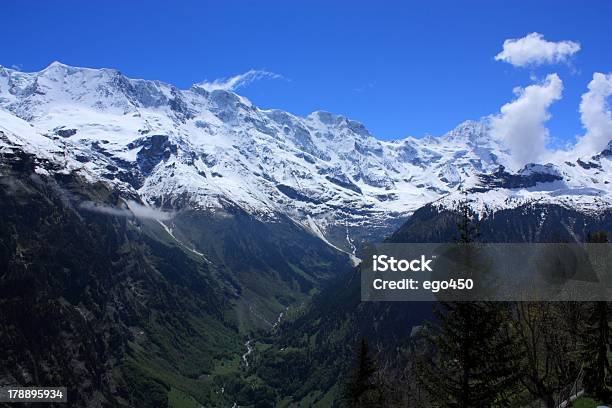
97	302
114	299
203	149
326	333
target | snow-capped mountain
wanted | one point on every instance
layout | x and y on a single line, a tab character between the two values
193	148
583	185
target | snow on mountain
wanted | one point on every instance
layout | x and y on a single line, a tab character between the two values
583	184
212	150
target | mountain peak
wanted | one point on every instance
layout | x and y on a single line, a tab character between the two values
333	120
57	64
57	69
469	130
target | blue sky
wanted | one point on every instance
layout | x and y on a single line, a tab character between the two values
401	68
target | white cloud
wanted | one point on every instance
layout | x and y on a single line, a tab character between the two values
238	81
520	125
596	116
533	49
134	210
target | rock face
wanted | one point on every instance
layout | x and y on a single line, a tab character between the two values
207	150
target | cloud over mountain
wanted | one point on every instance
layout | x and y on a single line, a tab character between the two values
238	81
595	115
520	123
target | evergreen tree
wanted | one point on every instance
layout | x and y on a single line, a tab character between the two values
361	389
597	340
474	361
468	232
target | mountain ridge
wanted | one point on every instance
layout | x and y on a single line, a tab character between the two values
202	149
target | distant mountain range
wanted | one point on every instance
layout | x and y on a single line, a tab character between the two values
172	149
